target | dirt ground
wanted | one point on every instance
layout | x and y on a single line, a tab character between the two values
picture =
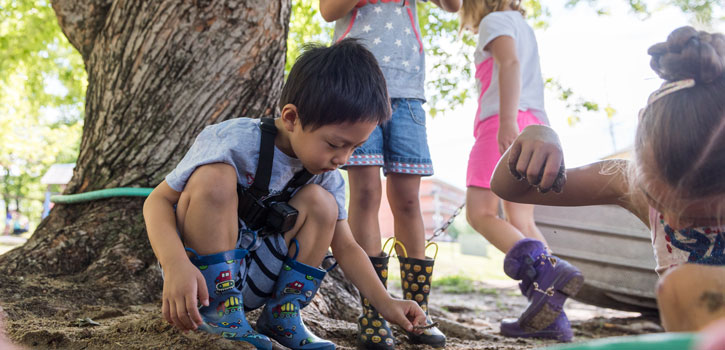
47	319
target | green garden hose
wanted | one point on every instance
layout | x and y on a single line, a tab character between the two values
100	194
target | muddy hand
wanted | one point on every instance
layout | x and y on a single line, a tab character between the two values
406	314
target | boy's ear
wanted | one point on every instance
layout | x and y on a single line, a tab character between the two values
289	117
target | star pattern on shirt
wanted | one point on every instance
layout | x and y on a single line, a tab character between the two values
400	37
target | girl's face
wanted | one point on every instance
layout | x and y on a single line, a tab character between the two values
680	212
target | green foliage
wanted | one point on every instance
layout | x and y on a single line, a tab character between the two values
460	284
42	89
306	26
448	59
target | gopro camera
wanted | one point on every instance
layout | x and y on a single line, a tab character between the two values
257	215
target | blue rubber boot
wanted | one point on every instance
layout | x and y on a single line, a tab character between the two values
281	318
546	281
225	313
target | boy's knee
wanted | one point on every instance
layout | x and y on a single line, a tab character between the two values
215	183
317	202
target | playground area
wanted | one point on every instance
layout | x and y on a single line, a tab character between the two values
470	298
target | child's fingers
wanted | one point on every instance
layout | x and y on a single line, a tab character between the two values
183	316
560	179
502	146
550	172
420	319
165	311
405	323
203	292
514	153
535	163
193	311
174	315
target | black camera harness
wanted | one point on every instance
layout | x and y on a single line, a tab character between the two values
255	215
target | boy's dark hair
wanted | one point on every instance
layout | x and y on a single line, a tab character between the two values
335	85
685	130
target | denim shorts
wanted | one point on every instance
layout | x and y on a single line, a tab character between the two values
400	145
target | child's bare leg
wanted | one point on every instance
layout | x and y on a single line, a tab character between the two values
315	224
403	196
482	214
365	194
521	216
206	216
691	296
206	213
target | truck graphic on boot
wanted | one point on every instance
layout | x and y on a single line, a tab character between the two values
224	282
228	306
284	310
293	288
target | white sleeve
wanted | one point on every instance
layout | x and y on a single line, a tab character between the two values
493	26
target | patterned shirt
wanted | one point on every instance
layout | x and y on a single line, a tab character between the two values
389	28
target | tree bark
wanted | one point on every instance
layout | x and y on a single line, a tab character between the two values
158	72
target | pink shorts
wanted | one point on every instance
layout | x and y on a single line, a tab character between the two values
484	154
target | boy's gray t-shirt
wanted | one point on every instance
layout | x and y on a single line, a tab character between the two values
236	142
390	30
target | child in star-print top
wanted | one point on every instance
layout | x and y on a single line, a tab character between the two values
390	29
675	185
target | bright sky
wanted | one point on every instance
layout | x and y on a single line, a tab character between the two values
603	58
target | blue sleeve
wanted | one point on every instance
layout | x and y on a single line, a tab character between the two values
209	147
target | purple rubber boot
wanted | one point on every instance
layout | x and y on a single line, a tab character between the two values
559	330
546	281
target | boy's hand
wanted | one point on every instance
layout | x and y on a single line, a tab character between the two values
536	157
183	286
404	313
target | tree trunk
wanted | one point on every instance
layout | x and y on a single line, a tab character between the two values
158	72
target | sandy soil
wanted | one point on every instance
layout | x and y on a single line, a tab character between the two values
58	315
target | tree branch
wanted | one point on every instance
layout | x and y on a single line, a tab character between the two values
81	21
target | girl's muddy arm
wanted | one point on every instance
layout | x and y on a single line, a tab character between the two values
537	159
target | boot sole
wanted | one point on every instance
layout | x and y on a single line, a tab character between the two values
415	340
436	346
569	285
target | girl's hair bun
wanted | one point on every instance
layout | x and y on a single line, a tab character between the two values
689	53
